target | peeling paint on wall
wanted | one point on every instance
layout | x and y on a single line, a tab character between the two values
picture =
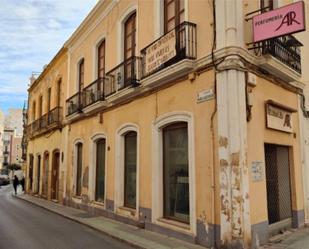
223	142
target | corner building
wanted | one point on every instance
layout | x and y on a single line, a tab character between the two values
172	122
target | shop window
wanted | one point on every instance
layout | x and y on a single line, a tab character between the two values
100	170
130	157
174	14
175	172
79	167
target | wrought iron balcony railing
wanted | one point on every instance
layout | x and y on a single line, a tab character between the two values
93	92
74	104
286	49
174	46
43	122
54	116
46	122
128	73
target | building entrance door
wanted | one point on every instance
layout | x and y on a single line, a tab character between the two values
278	185
38	175
55	176
45	176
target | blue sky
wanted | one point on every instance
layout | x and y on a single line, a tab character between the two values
31	33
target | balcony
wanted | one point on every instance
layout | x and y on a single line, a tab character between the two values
93	93
126	74
286	49
47	122
178	44
74	104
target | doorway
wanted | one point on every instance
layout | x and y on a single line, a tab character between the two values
278	184
38	174
45	176
55	176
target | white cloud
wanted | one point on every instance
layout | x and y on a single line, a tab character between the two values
31	33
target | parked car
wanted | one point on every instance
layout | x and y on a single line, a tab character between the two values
4	180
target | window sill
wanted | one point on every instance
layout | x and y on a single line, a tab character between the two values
172	224
98	204
77	199
126	211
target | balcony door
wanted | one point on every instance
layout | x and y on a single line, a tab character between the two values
174	14
129	48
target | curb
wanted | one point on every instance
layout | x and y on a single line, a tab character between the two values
82	223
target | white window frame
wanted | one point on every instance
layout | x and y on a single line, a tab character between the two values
119	169
93	164
157	165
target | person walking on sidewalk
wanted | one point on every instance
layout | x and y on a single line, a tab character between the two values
15	184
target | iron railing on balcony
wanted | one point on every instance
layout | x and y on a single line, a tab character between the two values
54	116
286	49
126	74
35	125
174	46
93	92
43	122
74	103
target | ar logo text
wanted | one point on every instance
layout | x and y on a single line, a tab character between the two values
288	19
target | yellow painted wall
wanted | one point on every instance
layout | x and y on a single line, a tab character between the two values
181	96
258	134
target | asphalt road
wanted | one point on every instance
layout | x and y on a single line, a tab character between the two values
25	226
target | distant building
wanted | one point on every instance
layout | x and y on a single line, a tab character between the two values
14	120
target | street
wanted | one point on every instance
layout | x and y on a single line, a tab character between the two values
23	225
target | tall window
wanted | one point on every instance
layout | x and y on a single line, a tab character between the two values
129	36
130	149
40	106
174	14
100	170
81	72
33	110
48	99
79	167
129	47
265	4
59	92
175	172
101	60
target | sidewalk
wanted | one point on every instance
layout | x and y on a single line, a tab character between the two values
293	239
139	238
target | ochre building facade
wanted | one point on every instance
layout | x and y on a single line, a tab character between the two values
160	114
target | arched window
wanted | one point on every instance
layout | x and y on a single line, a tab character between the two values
100	170
176	172
79	167
130	159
